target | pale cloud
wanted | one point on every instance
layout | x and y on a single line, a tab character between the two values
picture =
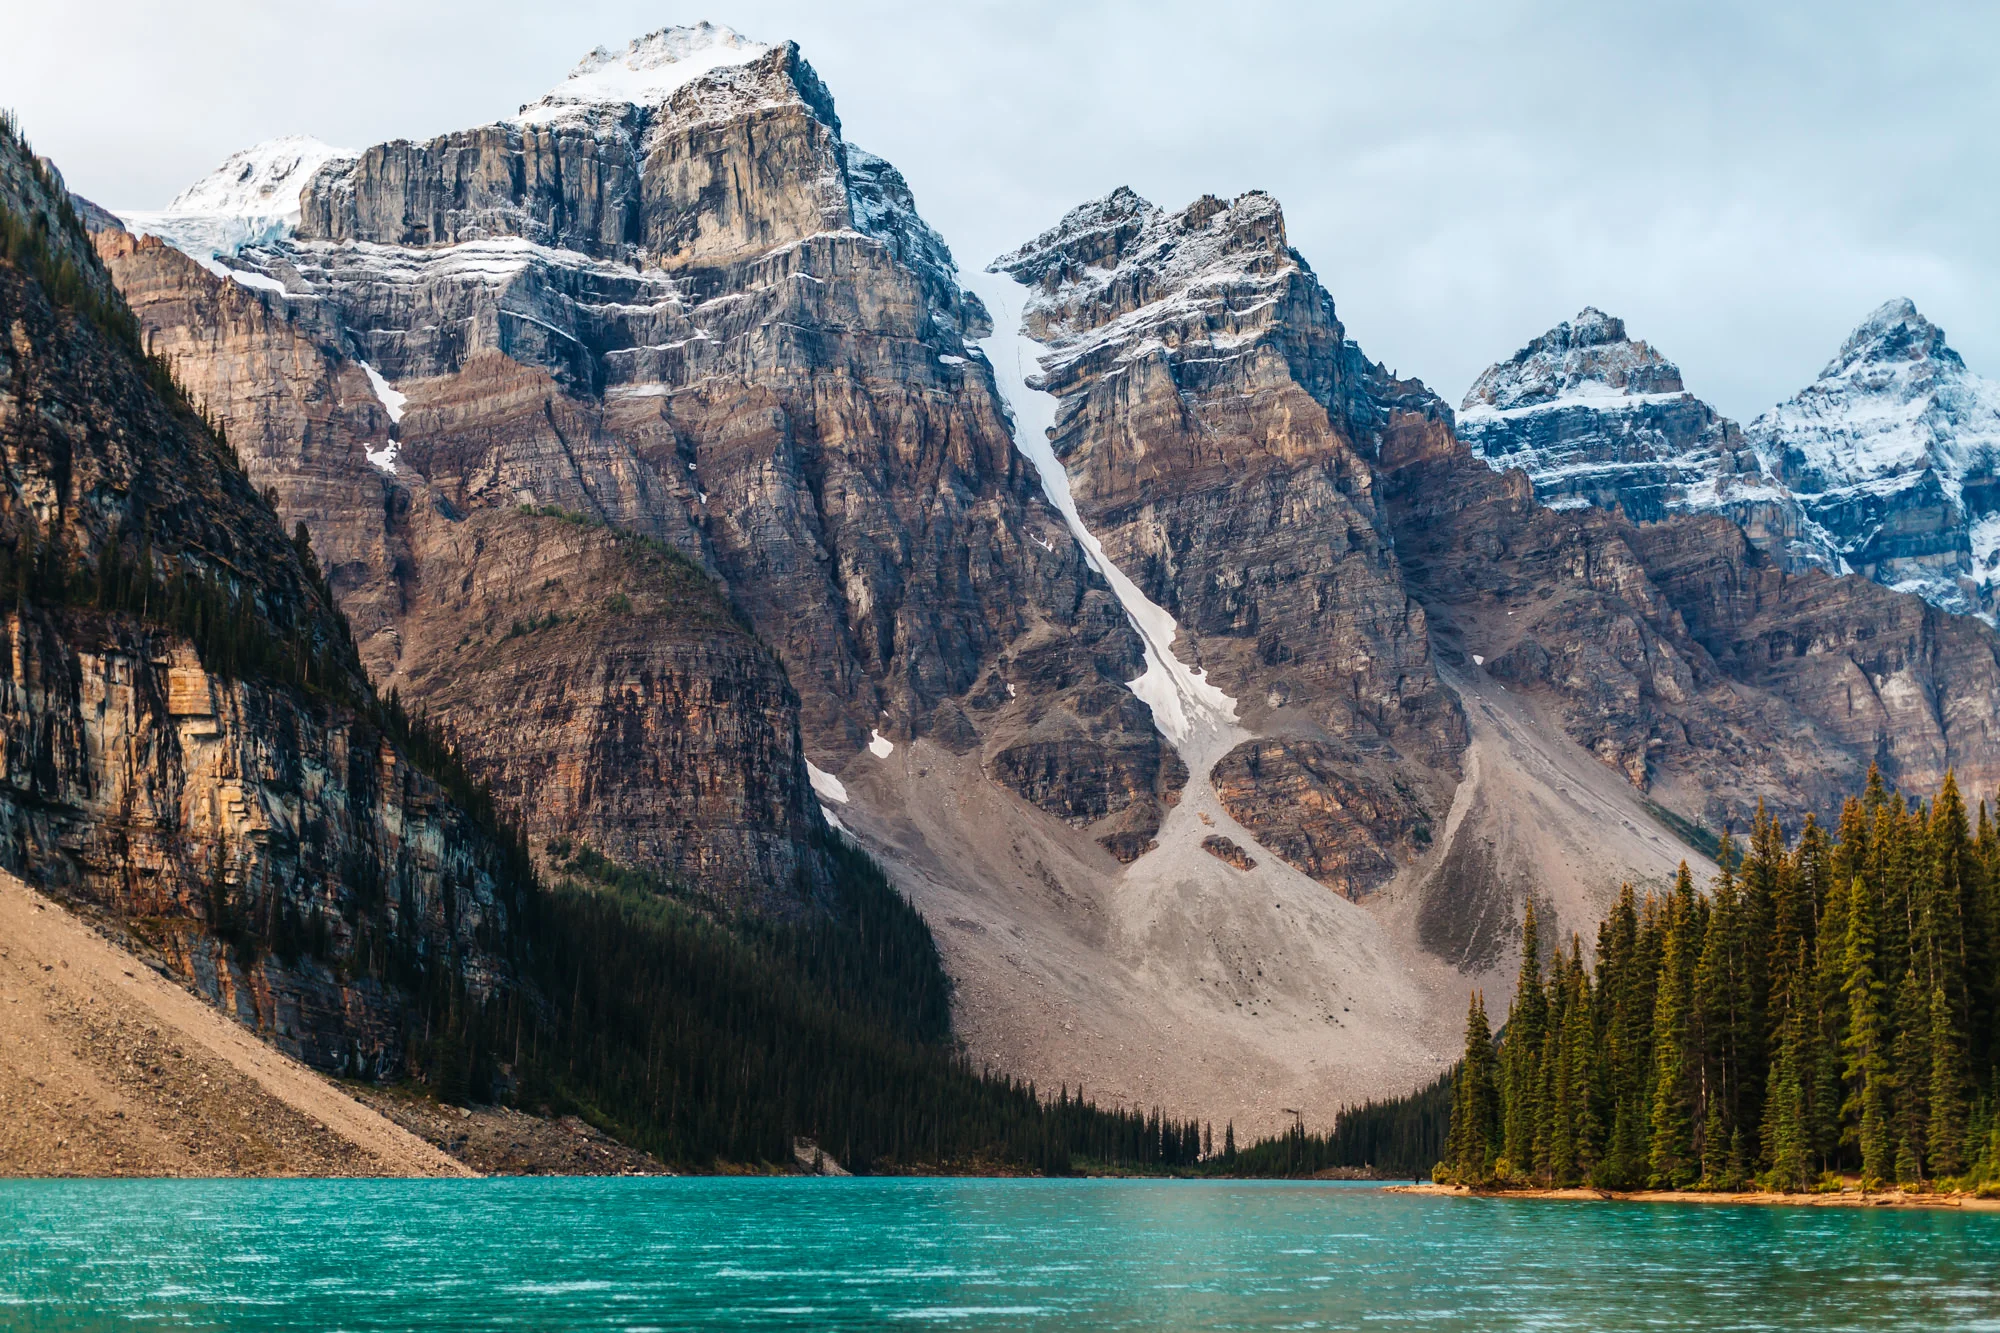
1741	182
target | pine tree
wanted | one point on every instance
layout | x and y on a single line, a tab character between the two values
1909	1080
1865	1042
1521	1052
1475	1111
1947	1091
1575	1133
1785	1129
1670	1145
1723	1025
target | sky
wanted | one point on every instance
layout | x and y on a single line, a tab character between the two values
1741	183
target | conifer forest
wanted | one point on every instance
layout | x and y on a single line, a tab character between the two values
1825	1009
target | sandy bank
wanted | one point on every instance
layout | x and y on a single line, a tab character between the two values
1845	1199
109	1069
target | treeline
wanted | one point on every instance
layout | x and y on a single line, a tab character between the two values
1827	1007
1389	1139
708	1040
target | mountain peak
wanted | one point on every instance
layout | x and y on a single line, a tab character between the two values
252	198
1894	331
1589	356
262	180
647	70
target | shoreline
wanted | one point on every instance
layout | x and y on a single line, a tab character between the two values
1760	1198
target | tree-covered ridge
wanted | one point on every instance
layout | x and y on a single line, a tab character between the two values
1828	1006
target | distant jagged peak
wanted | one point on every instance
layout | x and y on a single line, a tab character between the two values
1895	400
647	71
1585	358
1894	332
1123	227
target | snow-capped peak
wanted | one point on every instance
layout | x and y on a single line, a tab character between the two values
647	71
260	181
1588	357
251	199
1893	332
1894	401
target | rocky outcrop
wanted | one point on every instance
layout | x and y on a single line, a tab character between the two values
607	692
188	742
1226	851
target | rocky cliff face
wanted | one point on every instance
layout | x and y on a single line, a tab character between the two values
1685	657
1596	418
188	743
1216	428
694	314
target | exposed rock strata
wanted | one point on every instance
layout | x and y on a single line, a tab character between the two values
267	838
777	384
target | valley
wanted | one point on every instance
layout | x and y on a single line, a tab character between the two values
698	525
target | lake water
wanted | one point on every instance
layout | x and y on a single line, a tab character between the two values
982	1254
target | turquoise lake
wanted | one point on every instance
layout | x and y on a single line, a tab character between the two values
984	1254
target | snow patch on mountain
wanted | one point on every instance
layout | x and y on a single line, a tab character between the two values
828	787
392	401
647	72
251	199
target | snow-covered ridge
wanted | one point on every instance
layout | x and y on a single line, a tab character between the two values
251	199
1595	417
1591	394
1581	359
647	71
1887	464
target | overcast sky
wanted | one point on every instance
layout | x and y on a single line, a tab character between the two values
1741	182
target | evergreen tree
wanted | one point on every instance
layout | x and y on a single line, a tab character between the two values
1910	1066
1521	1052
1475	1114
1785	1127
1947	1129
1670	1145
1724	1025
1867	1110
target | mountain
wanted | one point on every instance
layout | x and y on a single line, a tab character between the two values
1213	698
191	749
1892	451
1596	418
1884	465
